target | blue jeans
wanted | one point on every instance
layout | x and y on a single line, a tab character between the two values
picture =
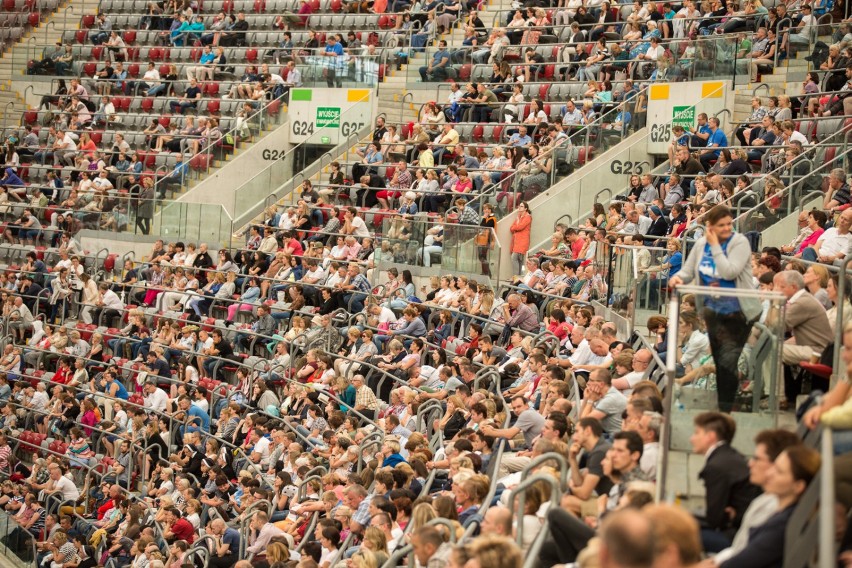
180	106
809	254
158	90
357	299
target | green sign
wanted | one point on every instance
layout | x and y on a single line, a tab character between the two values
328	117
683	116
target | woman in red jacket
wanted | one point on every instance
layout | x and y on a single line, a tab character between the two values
521	237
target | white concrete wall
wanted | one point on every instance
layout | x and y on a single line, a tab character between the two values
576	194
220	186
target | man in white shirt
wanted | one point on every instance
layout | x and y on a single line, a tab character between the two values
155	398
59	483
834	244
102	182
641	360
109	306
393	533
354	225
64	149
260	451
21	319
649	430
150	79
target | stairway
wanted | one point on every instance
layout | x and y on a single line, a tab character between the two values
398	83
786	79
13	62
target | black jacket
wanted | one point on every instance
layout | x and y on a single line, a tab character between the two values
726	481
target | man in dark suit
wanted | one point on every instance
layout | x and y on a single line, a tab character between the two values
659	227
726	479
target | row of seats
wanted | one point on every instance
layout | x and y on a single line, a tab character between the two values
140	38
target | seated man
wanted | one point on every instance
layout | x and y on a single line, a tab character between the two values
726	479
834	244
804	317
585	457
529	423
603	402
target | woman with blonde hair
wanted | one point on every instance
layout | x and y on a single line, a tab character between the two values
277	552
375	540
454	417
420	516
816	282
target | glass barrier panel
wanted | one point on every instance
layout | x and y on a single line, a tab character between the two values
340	71
275	182
723	355
734	341
18	544
456	248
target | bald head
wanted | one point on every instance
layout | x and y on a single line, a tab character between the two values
498	520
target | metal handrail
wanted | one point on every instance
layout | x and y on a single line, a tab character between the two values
519	493
548	457
837	371
246	517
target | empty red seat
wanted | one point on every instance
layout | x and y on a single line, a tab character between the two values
80	36
130	36
97	52
88	21
33	19
133	69
90	69
212	89
31	117
109	262
251	55
213	106
200	162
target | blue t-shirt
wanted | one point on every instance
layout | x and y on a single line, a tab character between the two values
196	412
336	49
719	139
707	276
232	539
675	263
121	392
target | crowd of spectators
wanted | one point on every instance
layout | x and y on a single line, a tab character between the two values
286	404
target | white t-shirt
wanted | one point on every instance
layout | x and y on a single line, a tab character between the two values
360	227
834	243
632	378
68	488
387	316
157	400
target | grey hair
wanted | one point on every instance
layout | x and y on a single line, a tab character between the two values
792	278
838	174
655	424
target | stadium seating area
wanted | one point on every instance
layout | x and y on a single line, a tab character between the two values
286	402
